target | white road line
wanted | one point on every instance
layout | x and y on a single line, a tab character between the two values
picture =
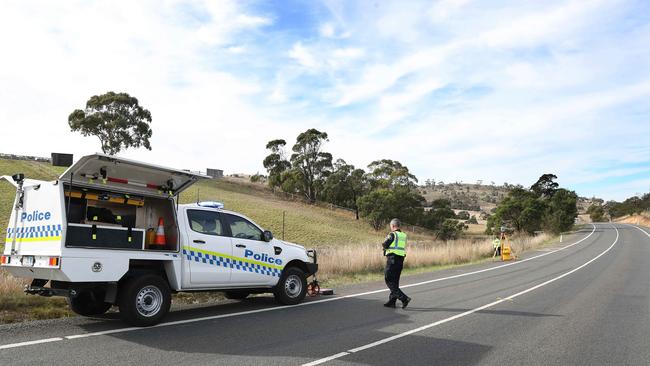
446	320
29	343
638	228
326	359
213	317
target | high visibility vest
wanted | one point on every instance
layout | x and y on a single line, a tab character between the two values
398	246
496	243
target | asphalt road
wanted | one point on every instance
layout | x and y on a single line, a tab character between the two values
581	302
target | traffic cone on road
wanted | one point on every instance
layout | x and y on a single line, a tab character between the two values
160	233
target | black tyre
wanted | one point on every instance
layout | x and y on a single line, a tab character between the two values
236	295
89	303
145	300
292	287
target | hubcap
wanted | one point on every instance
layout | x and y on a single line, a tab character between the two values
293	286
149	301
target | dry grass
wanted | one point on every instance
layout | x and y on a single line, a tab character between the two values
642	219
15	305
350	260
521	244
9	285
476	229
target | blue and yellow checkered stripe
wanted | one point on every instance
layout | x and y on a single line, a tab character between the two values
222	260
35	233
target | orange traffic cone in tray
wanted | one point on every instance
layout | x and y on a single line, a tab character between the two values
159	241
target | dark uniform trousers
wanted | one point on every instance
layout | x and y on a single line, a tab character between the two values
394	265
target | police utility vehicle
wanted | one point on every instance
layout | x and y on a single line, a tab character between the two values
110	232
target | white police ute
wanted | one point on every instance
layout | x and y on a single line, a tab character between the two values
110	232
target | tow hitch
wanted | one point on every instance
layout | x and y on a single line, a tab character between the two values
37	287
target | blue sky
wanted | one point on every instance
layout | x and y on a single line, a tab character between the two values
457	90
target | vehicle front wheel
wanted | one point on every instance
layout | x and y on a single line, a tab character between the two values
292	287
145	300
89	303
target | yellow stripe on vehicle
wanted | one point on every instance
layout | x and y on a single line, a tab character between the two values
29	240
232	257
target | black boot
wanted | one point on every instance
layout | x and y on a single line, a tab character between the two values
390	304
405	302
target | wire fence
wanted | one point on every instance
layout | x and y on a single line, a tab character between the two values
333	207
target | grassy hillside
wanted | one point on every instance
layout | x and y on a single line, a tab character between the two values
305	224
469	197
31	169
481	198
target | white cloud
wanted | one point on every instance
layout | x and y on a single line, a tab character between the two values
349	53
378	78
226	18
236	50
444	9
474	90
327	30
552	23
303	56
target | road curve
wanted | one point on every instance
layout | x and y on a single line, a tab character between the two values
584	301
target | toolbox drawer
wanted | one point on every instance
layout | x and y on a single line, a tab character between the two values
95	236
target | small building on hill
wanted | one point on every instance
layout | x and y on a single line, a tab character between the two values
215	173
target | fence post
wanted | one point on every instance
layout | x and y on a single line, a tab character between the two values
283	212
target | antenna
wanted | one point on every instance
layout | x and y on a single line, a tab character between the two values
198	194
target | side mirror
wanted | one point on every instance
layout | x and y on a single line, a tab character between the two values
267	236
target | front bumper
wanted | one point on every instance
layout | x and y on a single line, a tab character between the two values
312	268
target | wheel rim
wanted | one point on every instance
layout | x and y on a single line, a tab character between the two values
293	286
149	301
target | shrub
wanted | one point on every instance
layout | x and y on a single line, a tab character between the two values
463	215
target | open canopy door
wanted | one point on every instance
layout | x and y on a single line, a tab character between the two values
101	171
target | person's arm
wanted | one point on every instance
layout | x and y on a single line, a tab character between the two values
389	240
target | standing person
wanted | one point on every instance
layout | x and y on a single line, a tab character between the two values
496	243
395	252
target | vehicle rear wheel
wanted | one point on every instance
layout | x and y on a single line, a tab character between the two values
145	300
292	287
236	295
89	303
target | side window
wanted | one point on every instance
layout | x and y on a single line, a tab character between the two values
205	222
244	229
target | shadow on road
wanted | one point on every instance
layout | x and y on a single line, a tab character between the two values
305	332
430	351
